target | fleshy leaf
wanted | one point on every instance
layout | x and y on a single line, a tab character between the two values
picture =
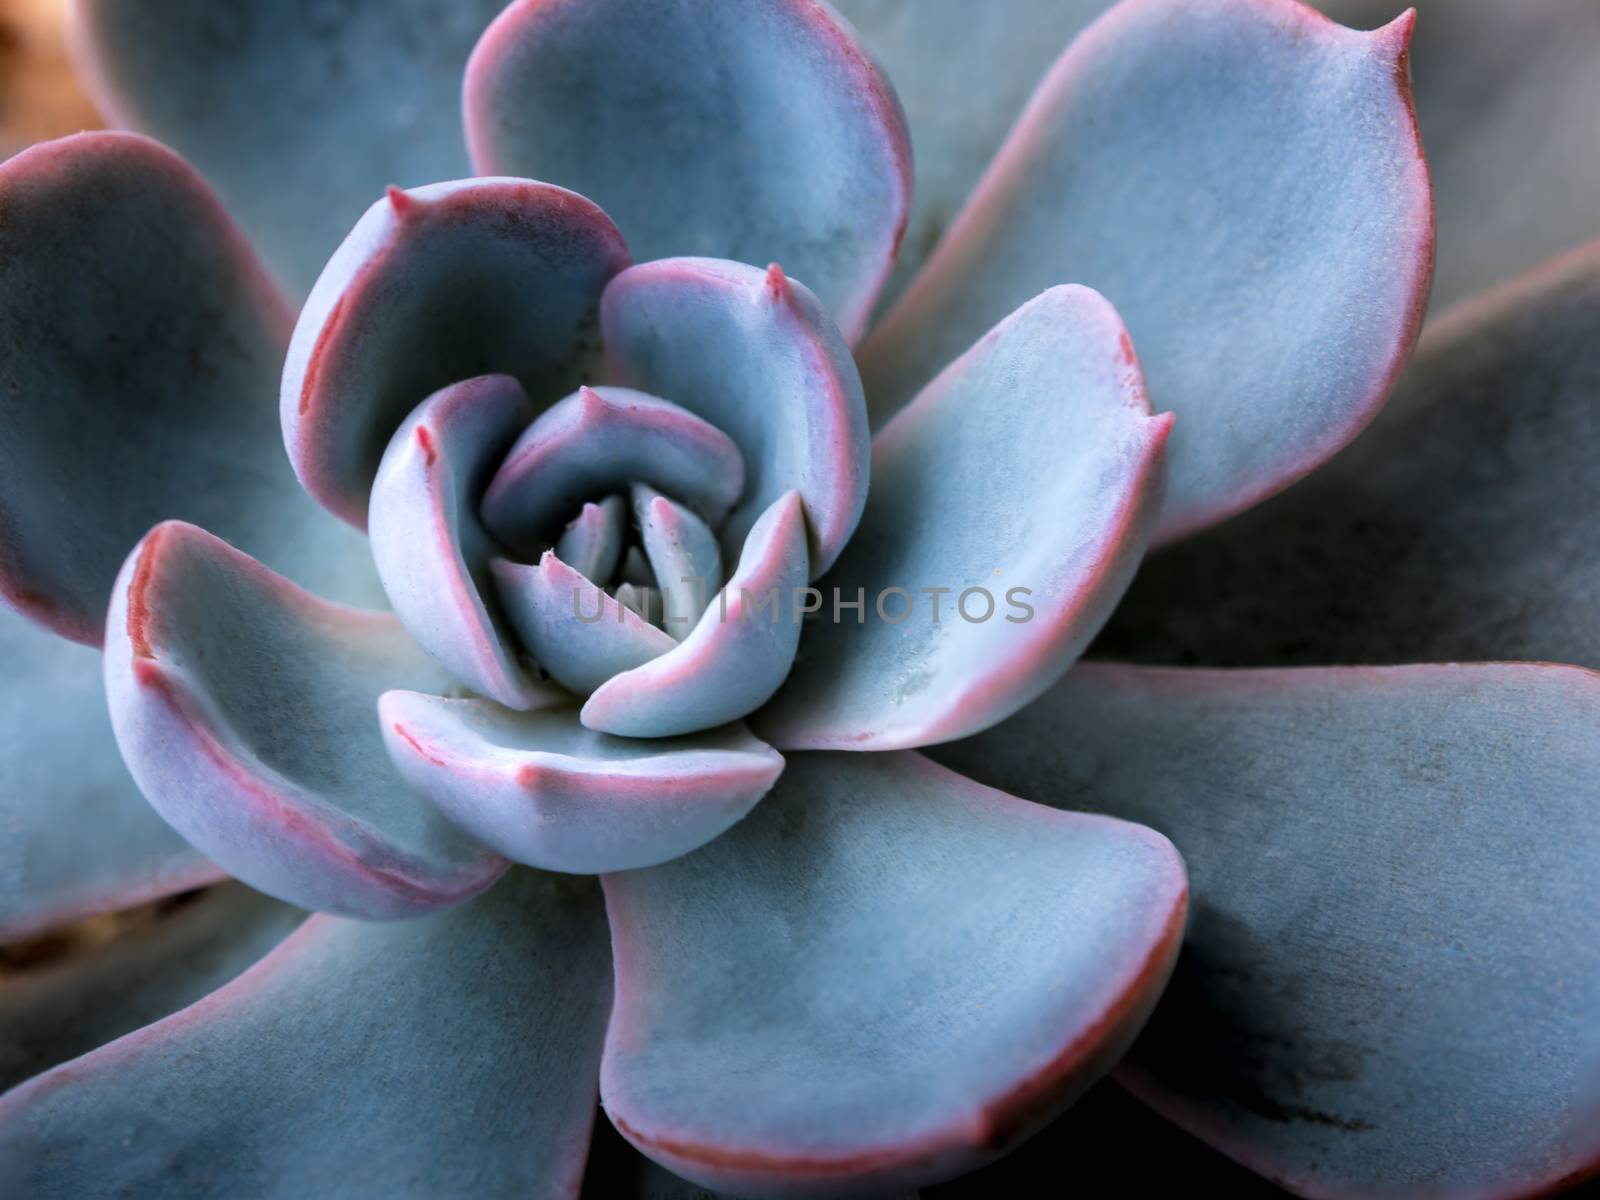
1460	526
1394	879
55	1012
432	552
141	340
842	995
435	285
1273	293
976	584
1504	92
543	790
749	132
236	88
684	557
736	655
991	55
592	541
599	440
452	1055
245	710
755	355
579	634
77	839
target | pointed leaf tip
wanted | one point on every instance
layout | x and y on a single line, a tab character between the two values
968	617
777	284
1143	145
1436	537
707	333
400	203
430	549
738	653
433	286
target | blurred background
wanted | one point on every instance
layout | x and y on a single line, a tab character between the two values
39	98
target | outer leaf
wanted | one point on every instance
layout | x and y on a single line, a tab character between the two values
1010	506
56	1012
432	552
76	838
140	340
299	114
990	55
1505	93
543	790
843	995
1461	526
599	440
447	1056
1390	983
744	131
579	634
1273	295
435	285
755	355
245	710
736	655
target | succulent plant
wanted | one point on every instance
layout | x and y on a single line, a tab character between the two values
661	482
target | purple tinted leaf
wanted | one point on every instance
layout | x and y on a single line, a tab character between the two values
432	552
56	1012
299	114
245	708
1010	505
78	838
991	55
842	995
452	1055
597	441
592	541
737	654
1394	895
579	634
1505	93
141	340
1273	293
1460	526
432	286
684	558
543	790
750	132
754	354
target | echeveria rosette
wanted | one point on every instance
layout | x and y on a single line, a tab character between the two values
832	972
